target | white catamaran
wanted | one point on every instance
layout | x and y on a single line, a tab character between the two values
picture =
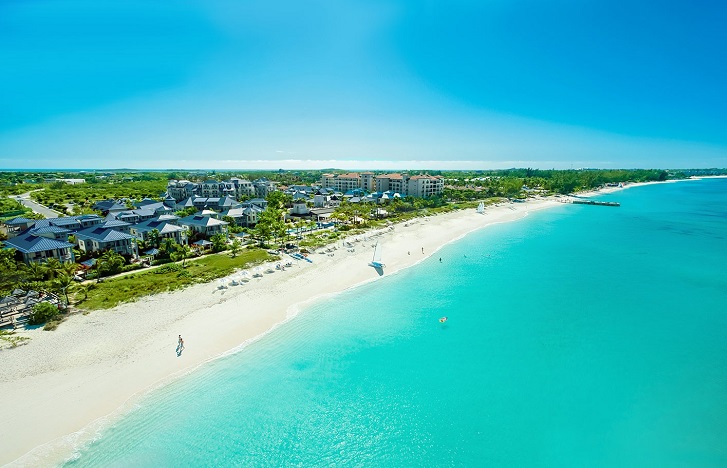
481	208
376	262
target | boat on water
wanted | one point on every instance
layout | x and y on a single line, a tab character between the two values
481	208
376	261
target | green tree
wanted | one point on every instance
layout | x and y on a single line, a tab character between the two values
269	224
219	242
168	246
53	267
235	247
110	263
278	200
182	252
13	274
36	271
154	238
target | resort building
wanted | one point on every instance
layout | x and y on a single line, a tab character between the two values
15	226
246	215
420	186
66	181
167	230
263	187
181	189
204	225
215	189
98	239
423	186
39	247
109	206
341	182
236	188
243	188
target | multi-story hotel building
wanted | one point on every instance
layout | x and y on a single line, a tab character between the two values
420	186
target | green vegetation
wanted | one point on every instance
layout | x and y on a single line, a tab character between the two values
10	209
13	340
43	312
169	277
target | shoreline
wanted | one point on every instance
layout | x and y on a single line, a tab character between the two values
92	370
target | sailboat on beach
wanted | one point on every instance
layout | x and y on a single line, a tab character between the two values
481	208
376	261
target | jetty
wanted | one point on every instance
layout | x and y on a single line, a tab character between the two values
582	201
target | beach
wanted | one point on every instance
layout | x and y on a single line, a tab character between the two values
68	384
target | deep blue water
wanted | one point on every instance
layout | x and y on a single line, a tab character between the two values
580	336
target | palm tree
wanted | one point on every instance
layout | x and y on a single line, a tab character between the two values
168	245
154	238
63	283
36	270
83	288
111	262
183	252
53	267
70	269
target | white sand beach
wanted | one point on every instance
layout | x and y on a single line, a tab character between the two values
63	386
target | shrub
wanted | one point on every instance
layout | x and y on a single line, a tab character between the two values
42	313
168	269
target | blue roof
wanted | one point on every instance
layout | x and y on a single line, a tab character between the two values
198	220
162	226
28	243
19	220
66	221
102	234
114	223
53	229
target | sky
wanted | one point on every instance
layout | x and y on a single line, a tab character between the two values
374	84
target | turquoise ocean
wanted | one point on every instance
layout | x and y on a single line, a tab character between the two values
579	336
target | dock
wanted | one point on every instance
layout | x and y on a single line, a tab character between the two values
581	201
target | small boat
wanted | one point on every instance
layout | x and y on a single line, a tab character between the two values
443	319
376	261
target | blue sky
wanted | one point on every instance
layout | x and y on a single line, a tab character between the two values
362	84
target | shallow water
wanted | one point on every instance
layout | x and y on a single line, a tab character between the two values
580	336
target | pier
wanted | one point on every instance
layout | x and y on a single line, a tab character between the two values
581	201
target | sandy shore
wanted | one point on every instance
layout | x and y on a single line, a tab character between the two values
64	386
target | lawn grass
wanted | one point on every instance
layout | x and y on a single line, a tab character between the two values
114	291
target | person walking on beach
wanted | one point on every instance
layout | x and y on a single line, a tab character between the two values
422	250
180	345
